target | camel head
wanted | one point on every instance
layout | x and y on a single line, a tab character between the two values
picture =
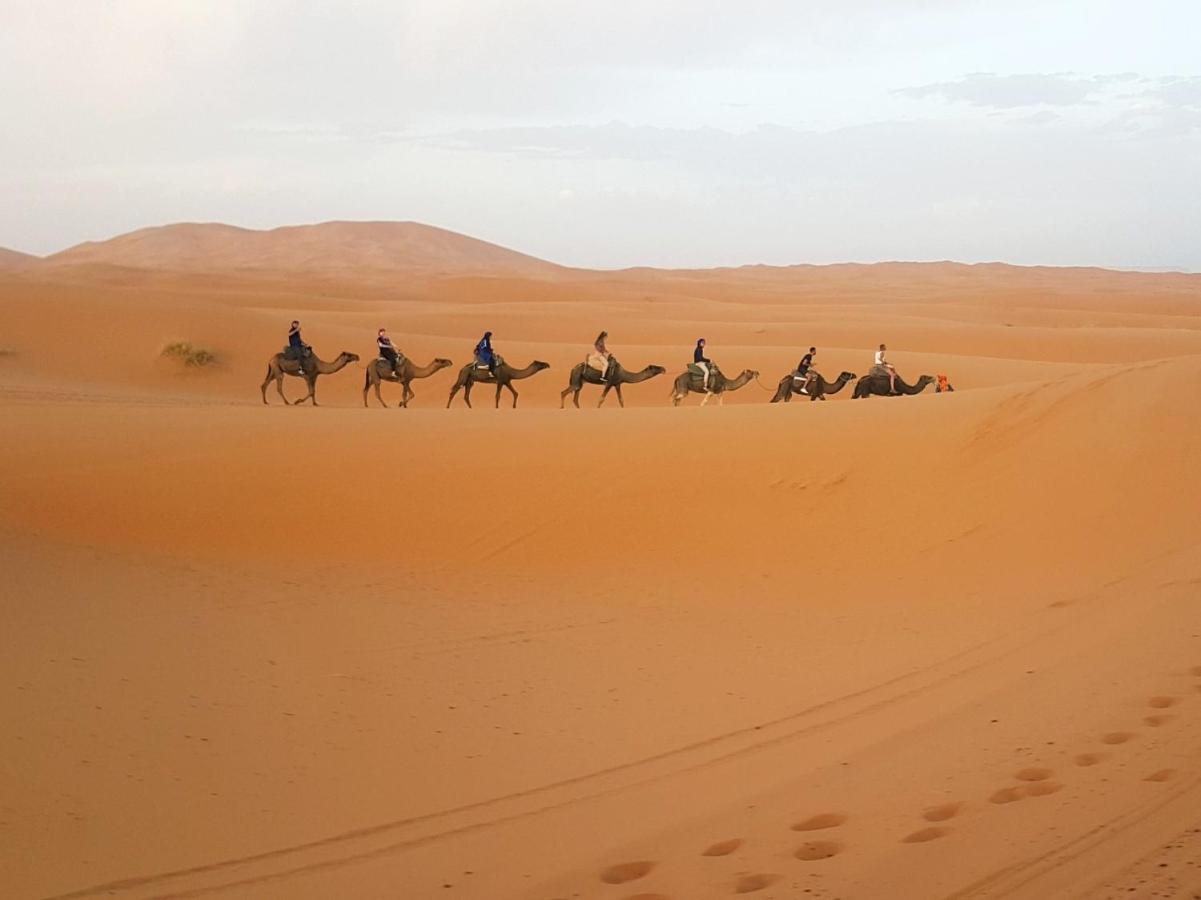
750	373
848	376
925	380
441	363
656	370
539	365
348	356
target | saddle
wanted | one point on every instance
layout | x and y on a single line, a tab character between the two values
713	373
480	364
400	359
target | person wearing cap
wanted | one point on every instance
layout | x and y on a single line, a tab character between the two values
387	351
484	353
702	362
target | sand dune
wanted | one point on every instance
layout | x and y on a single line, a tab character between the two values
940	646
329	246
10	259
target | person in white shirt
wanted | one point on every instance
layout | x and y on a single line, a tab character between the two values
882	363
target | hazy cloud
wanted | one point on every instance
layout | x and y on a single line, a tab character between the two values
1011	91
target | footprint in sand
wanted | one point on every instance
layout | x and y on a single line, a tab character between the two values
1033	789
723	848
1090	759
1043	788
1007	795
924	835
623	872
820	822
1158	720
1161	775
748	884
1117	737
942	812
1034	773
818	850
1162	702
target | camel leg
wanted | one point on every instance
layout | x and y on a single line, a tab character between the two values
279	386
604	394
509	385
563	396
312	394
705	399
498	387
406	396
621	401
379	396
467	392
266	381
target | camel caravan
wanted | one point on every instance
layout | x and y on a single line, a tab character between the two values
702	376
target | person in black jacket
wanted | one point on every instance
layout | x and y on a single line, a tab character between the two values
804	369
702	362
388	351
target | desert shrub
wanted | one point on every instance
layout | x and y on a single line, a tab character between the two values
189	354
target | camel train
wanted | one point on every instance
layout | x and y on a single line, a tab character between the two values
708	381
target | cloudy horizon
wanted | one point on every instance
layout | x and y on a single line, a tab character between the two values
618	134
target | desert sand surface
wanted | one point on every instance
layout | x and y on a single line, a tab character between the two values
946	645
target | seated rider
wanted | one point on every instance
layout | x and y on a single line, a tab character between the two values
387	351
804	369
702	362
297	348
600	358
885	367
484	355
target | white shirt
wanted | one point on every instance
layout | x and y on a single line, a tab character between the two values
879	357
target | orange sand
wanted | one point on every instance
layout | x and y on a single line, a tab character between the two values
939	646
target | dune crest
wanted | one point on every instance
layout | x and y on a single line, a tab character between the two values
325	247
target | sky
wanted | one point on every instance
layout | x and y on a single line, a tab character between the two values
618	133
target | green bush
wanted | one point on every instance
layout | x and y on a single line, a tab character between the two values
191	356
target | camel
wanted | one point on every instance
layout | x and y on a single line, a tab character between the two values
381	370
279	366
584	374
505	376
688	381
818	387
878	384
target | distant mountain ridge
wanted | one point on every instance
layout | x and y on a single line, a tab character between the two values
325	247
14	258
